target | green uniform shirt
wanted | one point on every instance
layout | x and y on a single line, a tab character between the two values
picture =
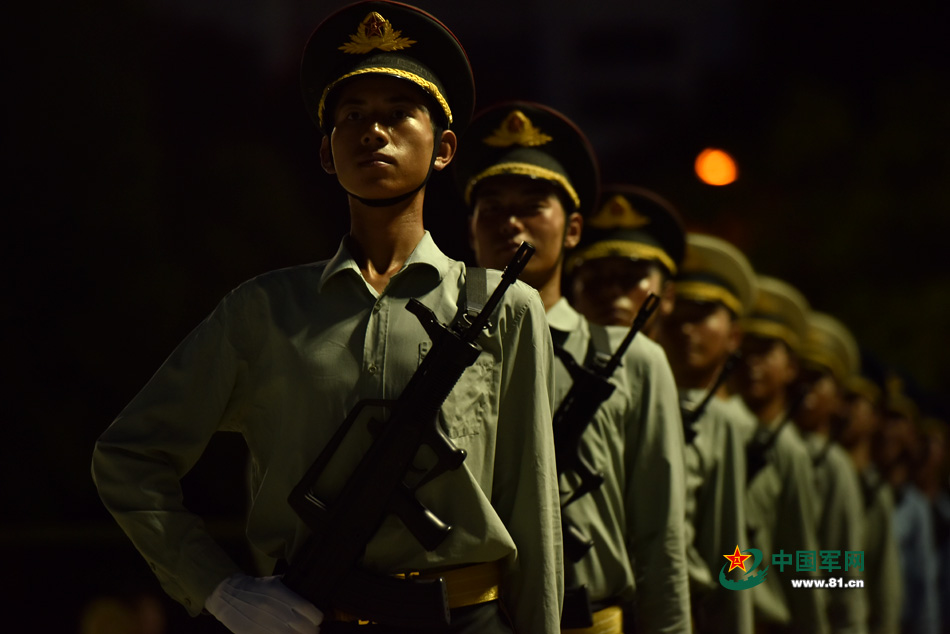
635	518
715	512
840	529
882	565
783	516
282	360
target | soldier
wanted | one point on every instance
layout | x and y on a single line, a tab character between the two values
780	506
882	572
528	173
829	356
632	247
899	457
285	357
715	287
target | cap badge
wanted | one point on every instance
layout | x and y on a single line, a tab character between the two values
375	31
618	213
516	129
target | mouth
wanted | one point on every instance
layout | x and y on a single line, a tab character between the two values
509	246
375	159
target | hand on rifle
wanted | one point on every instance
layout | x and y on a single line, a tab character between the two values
262	605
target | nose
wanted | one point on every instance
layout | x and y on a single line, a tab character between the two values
374	135
511	226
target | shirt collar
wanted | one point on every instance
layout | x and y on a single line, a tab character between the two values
425	254
563	317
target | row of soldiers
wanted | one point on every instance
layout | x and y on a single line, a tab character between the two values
712	439
789	448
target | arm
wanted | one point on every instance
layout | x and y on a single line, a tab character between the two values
655	495
157	438
796	530
524	490
843	519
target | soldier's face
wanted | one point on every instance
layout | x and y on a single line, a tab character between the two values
511	209
766	371
821	402
697	338
609	291
862	420
382	140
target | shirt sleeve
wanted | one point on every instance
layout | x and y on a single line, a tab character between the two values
723	512
842	519
524	490
796	530
655	499
138	462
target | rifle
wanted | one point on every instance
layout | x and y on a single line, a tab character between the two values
755	450
590	387
690	416
325	570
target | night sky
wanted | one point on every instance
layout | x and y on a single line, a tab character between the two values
157	155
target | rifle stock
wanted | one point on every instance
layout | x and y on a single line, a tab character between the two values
326	568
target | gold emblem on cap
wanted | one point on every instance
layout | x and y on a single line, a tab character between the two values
517	129
618	213
375	31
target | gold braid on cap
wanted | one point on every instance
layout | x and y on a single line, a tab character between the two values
423	83
772	330
622	249
522	169
706	292
827	360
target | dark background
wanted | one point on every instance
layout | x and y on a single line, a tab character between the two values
158	154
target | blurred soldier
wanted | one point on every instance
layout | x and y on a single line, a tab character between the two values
714	289
829	356
900	454
780	506
528	173
932	479
288	355
632	246
882	571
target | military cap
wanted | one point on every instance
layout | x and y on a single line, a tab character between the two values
777	313
896	400
715	271
860	385
523	138
635	223
387	38
829	345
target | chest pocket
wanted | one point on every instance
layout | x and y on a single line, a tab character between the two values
470	408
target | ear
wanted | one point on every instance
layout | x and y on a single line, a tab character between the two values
734	338
447	147
667	298
471	232
326	156
573	230
791	372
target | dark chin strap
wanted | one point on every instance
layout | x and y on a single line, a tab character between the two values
387	202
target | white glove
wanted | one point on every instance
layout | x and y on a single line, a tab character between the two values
262	605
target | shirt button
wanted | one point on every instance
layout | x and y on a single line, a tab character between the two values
371	368
376	307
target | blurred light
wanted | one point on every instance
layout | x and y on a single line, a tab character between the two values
715	167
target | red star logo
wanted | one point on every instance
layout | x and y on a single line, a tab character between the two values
737	560
374	26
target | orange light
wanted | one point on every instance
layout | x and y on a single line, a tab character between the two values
715	167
